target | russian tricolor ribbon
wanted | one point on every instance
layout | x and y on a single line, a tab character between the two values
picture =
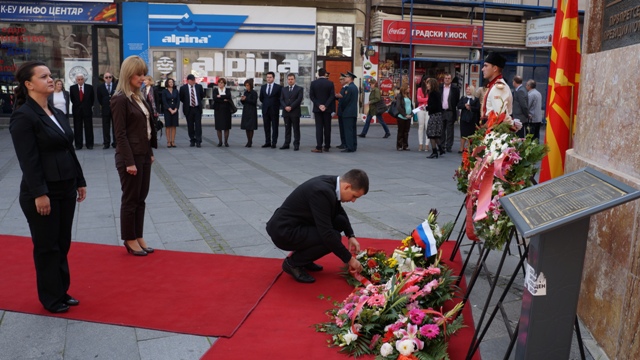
423	236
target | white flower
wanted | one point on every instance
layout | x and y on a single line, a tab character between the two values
405	347
349	337
386	349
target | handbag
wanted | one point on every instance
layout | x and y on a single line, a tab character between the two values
393	109
159	125
232	107
381	107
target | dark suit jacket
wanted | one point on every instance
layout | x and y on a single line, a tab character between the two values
313	203
44	151
469	116
104	97
293	99
454	96
322	92
185	97
521	104
349	104
65	93
270	102
84	107
130	125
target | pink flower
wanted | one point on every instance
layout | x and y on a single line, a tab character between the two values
395	326
433	270
377	300
416	316
430	331
411	334
339	322
410	289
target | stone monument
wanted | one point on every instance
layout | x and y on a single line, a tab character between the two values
607	138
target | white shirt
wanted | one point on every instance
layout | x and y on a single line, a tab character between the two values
59	102
56	121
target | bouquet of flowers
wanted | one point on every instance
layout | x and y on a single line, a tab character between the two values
410	254
497	163
391	320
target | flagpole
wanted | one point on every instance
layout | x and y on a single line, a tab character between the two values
571	119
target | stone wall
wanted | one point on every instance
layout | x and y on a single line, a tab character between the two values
607	138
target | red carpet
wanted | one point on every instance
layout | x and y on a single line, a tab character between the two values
281	326
199	294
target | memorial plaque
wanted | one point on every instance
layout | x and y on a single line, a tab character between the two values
564	199
620	24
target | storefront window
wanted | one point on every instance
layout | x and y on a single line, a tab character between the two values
344	38
325	39
236	66
66	49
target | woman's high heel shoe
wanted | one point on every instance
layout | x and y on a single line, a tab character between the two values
434	155
148	250
219	144
135	252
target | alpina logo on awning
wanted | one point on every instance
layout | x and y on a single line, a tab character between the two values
186	39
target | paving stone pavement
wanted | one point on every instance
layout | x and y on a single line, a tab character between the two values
217	200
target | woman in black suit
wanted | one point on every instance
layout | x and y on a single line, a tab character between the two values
60	98
52	181
171	103
135	136
249	101
470	115
222	106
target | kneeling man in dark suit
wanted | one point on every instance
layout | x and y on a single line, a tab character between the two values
310	221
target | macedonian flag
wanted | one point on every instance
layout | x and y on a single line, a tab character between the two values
564	80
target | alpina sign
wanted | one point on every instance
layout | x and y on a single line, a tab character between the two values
421	33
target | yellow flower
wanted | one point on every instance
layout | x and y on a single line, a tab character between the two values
391	262
407	241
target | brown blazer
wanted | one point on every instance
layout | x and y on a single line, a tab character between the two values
131	129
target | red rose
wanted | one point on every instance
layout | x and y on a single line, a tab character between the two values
376	277
371	263
371	252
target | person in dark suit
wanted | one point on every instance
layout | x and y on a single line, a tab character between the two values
135	138
270	98
290	102
520	104
191	95
322	95
82	98
249	101
60	98
349	111
450	97
340	96
310	221
105	91
222	105
52	181
469	115
171	104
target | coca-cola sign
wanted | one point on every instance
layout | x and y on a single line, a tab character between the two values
421	33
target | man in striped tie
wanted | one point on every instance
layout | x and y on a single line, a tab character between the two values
191	95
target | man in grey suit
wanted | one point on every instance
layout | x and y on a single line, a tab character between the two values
290	101
535	110
322	94
520	103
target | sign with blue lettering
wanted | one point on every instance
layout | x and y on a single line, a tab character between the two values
177	26
97	13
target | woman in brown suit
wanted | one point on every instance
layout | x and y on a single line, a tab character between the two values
135	136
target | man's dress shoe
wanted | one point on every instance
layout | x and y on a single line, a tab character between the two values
266	145
71	301
284	147
313	267
316	150
298	273
60	308
296	148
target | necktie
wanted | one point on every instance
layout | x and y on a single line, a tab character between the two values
193	97
290	88
81	93
269	89
109	89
